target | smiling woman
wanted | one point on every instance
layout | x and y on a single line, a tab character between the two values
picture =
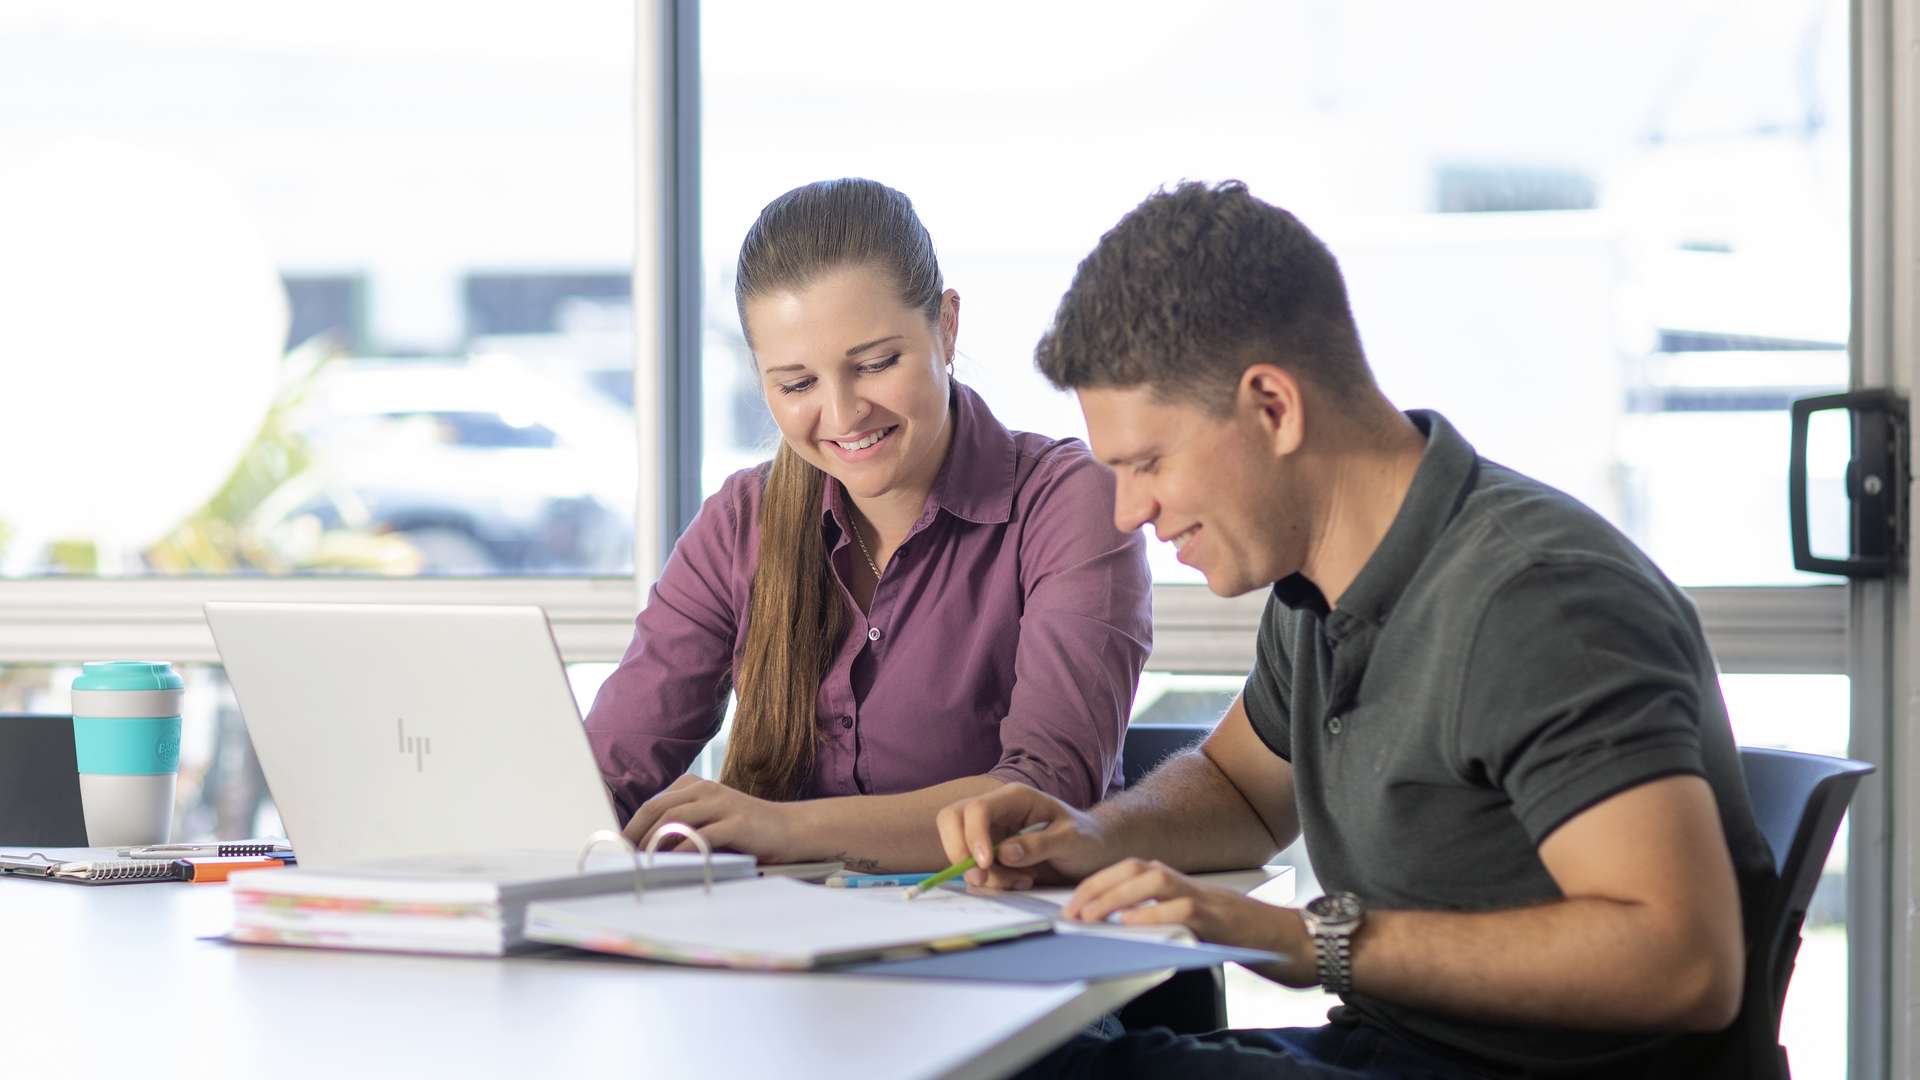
873	415
914	603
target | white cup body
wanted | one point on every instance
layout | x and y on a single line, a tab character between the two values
127	743
123	811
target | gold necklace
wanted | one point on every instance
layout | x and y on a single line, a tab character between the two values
871	565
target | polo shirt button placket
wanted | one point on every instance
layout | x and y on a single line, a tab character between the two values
846	722
1334	725
873	633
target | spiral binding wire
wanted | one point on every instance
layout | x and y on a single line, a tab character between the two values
126	871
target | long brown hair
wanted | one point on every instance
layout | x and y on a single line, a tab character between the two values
795	614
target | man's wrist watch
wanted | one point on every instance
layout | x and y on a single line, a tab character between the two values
1333	920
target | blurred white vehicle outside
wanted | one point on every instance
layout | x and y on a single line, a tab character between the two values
483	467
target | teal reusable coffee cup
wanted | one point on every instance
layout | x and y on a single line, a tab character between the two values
126	740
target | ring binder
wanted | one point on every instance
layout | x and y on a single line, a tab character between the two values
460	903
670	828
775	924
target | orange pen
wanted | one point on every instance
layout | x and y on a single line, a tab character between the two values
218	869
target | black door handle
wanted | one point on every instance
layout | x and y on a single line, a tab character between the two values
1876	484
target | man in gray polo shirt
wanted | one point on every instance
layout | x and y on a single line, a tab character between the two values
1496	724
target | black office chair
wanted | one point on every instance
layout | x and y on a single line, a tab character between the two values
1148	745
1798	800
1191	1002
39	784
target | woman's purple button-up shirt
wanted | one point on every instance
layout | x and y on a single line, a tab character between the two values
1005	638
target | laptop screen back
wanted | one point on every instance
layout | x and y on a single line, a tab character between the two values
393	730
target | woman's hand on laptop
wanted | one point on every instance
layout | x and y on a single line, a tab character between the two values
729	819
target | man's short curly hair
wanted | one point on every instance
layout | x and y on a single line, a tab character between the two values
1192	286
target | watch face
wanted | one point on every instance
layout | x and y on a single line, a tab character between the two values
1337	908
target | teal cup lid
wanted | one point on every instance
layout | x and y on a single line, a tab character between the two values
128	675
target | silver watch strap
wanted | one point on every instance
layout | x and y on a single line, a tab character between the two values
1333	956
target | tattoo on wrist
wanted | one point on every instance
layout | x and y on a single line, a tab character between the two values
856	864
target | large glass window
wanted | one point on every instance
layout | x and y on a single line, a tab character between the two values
292	291
1610	243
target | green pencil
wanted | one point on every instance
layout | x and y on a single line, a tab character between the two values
965	864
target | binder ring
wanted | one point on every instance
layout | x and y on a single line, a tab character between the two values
676	828
609	836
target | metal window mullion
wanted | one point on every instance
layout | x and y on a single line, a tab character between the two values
1885	224
1786	630
1195	632
657	375
666	279
683	367
55	621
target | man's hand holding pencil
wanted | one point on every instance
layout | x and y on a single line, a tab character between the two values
1018	837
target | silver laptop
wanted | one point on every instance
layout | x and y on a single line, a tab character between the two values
391	731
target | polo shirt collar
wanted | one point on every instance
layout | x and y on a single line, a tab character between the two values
1446	471
975	482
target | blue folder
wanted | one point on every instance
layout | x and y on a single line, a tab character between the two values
1060	958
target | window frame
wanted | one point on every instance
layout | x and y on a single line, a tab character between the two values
1760	630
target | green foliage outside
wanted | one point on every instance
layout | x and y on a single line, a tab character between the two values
222	537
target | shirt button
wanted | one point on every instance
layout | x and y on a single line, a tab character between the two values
873	633
846	721
1334	725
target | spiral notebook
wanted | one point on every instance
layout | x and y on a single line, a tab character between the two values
83	866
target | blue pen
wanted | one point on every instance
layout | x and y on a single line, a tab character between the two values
872	881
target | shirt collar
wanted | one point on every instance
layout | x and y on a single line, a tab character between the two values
975	482
1446	472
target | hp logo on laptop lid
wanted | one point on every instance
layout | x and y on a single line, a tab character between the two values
418	745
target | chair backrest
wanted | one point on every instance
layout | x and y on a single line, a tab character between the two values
1798	800
39	782
1192	1002
1148	745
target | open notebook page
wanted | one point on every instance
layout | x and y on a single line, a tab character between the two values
775	923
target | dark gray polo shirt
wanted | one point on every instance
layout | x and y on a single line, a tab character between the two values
1503	661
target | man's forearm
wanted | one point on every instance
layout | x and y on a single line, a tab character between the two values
1584	962
1188	815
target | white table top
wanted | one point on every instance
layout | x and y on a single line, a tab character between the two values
116	979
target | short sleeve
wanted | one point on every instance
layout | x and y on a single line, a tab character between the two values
1582	681
1269	689
1086	627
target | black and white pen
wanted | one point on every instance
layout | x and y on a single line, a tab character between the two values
276	849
